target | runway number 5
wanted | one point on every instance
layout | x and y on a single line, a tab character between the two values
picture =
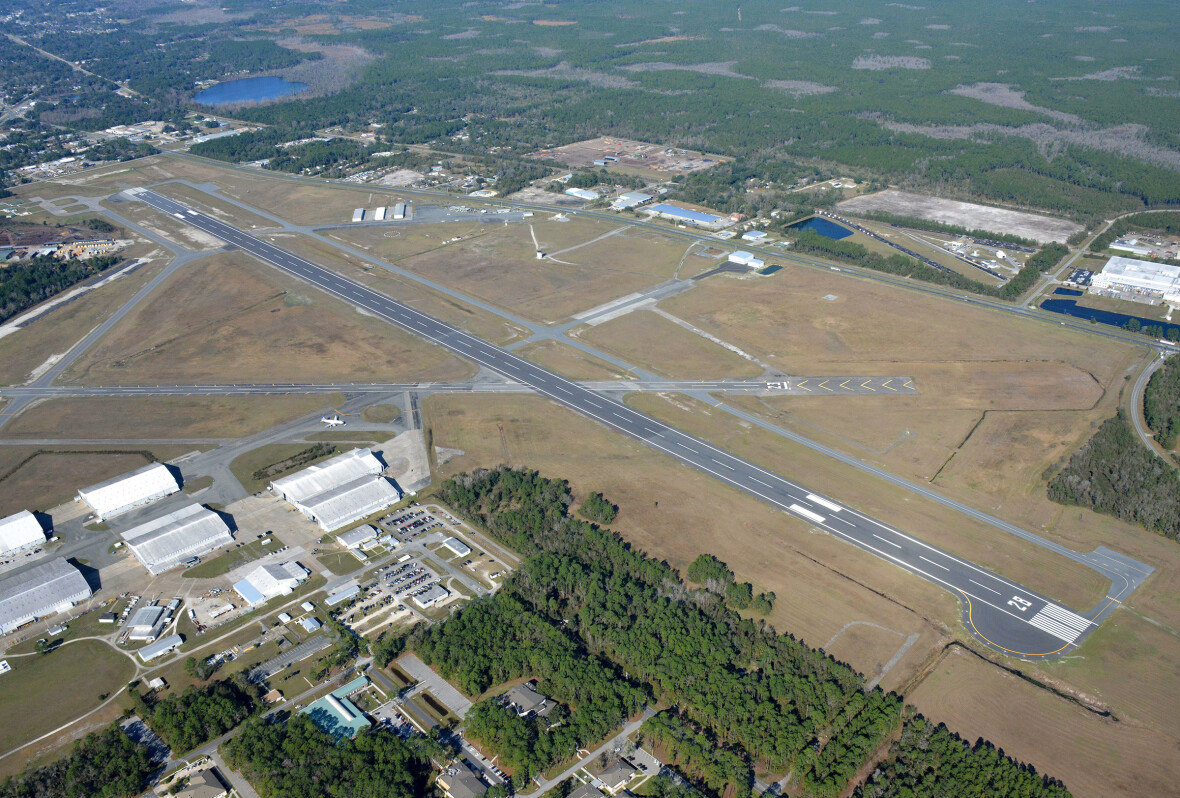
1019	603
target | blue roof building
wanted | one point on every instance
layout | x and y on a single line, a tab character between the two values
334	714
684	214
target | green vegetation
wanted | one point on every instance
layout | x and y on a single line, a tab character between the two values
1115	474
257	467
200	714
295	461
1161	403
711	766
104	764
715	576
297	760
928	759
27	283
597	509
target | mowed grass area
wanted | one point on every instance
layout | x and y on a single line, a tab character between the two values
649	340
227	561
381	414
1066	581
1096	757
163	416
245	465
214	206
474	320
53	334
32	698
40	478
340	562
230	319
571	362
675	513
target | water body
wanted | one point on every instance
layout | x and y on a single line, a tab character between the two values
1070	308
1067	292
824	227
248	90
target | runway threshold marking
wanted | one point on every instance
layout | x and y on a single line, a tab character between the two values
822	502
810	516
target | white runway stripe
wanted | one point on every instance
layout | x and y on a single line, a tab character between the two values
822	502
1066	617
803	511
1046	624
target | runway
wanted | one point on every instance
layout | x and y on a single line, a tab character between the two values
1004	615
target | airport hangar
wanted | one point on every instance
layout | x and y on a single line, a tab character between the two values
339	491
124	493
43	590
19	532
166	541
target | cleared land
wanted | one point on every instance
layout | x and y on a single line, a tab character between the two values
32	701
650	340
227	561
212	205
52	335
965	214
1093	755
477	321
230	319
163	416
676	513
570	362
637	156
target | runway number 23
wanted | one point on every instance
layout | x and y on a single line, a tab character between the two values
1019	603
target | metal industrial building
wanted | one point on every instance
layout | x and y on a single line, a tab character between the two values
632	199
168	540
338	491
19	532
146	623
1144	280
128	491
267	581
355	538
160	647
41	591
678	214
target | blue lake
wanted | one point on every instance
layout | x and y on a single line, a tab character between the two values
825	228
1070	308
248	90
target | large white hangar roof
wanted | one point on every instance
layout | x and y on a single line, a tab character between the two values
42	590
130	490
188	532
267	581
339	491
20	531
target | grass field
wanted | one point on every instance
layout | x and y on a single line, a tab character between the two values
165	226
244	465
230	319
214	206
477	321
662	346
1096	757
570	362
239	555
340	562
32	701
1025	563
381	414
163	416
675	513
55	333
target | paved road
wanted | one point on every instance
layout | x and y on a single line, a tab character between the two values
1136	408
615	742
1001	613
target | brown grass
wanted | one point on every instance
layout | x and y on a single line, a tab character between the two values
1065	580
1094	756
214	206
649	340
570	362
230	319
675	513
54	334
163	416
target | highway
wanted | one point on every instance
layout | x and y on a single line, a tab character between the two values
1004	615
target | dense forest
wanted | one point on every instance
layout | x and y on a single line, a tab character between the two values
585	607
1161	403
200	714
30	282
1115	474
106	764
296	760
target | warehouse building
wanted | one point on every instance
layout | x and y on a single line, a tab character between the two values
267	581
459	547
160	648
146	623
334	714
128	491
632	199
170	539
19	532
685	216
39	592
355	538
582	193
744	258
1139	280
339	491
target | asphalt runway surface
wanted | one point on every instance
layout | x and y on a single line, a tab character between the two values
1006	616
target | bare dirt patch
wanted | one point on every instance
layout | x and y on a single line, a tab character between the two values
1005	96
965	214
230	319
566	71
799	88
653	158
880	63
554	23
571	362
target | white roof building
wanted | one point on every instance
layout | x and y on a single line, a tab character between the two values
582	193
431	596
338	491
267	581
160	647
631	199
166	541
746	259
354	538
146	623
753	235
1140	275
459	547
41	591
134	489
20	531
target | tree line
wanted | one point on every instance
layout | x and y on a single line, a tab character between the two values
1161	403
29	282
199	714
105	764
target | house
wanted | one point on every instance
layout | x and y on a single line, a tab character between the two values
586	791
615	777
206	784
524	700
459	782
